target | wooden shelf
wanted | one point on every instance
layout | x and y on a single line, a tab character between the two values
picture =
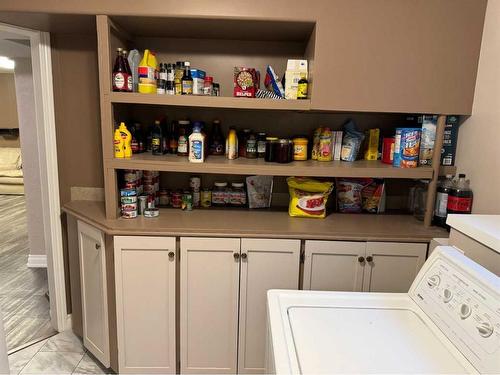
243	166
259	223
210	101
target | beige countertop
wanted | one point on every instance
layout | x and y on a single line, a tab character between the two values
258	223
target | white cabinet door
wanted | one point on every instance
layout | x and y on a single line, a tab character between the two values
334	265
145	304
392	266
209	287
94	291
265	264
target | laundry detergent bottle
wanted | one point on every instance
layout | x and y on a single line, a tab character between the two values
127	140
119	143
147	73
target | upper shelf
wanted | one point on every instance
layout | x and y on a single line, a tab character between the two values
243	166
210	101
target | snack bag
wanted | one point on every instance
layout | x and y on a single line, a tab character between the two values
260	191
308	197
373	196
349	194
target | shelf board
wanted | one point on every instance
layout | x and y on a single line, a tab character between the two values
243	166
259	223
210	101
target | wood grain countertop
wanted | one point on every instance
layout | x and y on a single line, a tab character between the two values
258	223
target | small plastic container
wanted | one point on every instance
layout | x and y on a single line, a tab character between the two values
220	194
300	148
238	196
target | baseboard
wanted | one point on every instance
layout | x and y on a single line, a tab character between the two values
37	261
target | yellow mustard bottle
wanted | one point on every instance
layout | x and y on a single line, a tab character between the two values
147	72
127	140
119	144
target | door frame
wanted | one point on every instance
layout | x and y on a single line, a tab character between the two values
41	61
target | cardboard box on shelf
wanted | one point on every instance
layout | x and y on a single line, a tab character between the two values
295	70
450	139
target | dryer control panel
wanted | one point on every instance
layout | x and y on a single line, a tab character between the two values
463	300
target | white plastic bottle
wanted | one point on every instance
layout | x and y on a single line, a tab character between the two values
196	145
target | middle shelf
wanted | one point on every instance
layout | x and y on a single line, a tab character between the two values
244	166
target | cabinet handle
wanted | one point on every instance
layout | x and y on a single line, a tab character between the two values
171	255
97	246
361	259
369	259
244	255
236	256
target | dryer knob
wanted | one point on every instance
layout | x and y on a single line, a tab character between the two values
447	295
485	329
433	281
465	311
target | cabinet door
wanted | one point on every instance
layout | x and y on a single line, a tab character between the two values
394	265
265	264
333	265
209	287
145	304
94	291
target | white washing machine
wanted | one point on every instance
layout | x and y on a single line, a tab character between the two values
448	323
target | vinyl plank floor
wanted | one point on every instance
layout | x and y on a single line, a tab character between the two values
25	308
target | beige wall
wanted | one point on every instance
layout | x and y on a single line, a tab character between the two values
8	107
29	151
478	152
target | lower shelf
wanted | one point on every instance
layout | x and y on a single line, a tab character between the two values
257	223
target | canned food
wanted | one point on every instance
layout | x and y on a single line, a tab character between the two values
129	206
130	176
206	198
176	199
142	204
129	214
164	198
131	199
196	198
130	185
127	192
151	212
187	201
195	183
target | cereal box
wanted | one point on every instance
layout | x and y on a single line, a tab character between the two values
409	148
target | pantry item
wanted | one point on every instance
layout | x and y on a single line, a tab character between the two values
273	82
170	89
127	140
337	144
219	194
216	89
373	196
183	141
187	80
141	204
308	197
259	189
271	145
300	148
261	144
284	151
245	82
187	201
450	138
134	59
440	209
232	144
295	71
129	214
388	150
147	72
208	85
195	182
178	74
396	155
164	197
351	142
120	77
302	88
428	136
118	144
151	212
409	147
242	142
460	197
266	94
176	200
251	151
371	142
206	198
156	139
349	199
129	199
129	71
420	199
196	145
315	147
237	195
198	77
325	145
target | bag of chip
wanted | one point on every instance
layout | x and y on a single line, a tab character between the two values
308	197
373	196
349	194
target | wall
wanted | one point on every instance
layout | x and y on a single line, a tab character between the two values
76	97
478	144
29	151
8	106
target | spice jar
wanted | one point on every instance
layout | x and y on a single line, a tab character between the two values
251	146
261	145
176	199
208	85
237	196
270	154
284	151
300	148
219	194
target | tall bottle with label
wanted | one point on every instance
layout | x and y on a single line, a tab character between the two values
196	145
183	141
460	197
442	192
232	144
156	139
127	140
187	80
129	87
120	73
178	73
216	139
119	145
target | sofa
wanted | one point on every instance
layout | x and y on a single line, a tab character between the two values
11	173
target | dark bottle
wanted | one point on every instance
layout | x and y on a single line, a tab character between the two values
216	139
242	142
302	88
129	71
156	139
172	138
164	135
120	73
183	142
170	86
261	145
251	146
187	80
460	197
440	209
134	144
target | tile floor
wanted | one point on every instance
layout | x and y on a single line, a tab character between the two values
60	354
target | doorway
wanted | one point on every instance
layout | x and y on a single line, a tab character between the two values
32	284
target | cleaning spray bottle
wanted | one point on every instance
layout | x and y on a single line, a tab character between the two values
127	140
119	144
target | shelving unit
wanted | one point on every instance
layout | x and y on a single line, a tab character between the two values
300	44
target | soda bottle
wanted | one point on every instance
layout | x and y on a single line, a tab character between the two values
442	192
460	197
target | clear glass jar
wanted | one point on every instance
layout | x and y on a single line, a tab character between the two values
420	199
238	196
220	196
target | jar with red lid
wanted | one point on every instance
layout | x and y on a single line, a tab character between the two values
208	85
